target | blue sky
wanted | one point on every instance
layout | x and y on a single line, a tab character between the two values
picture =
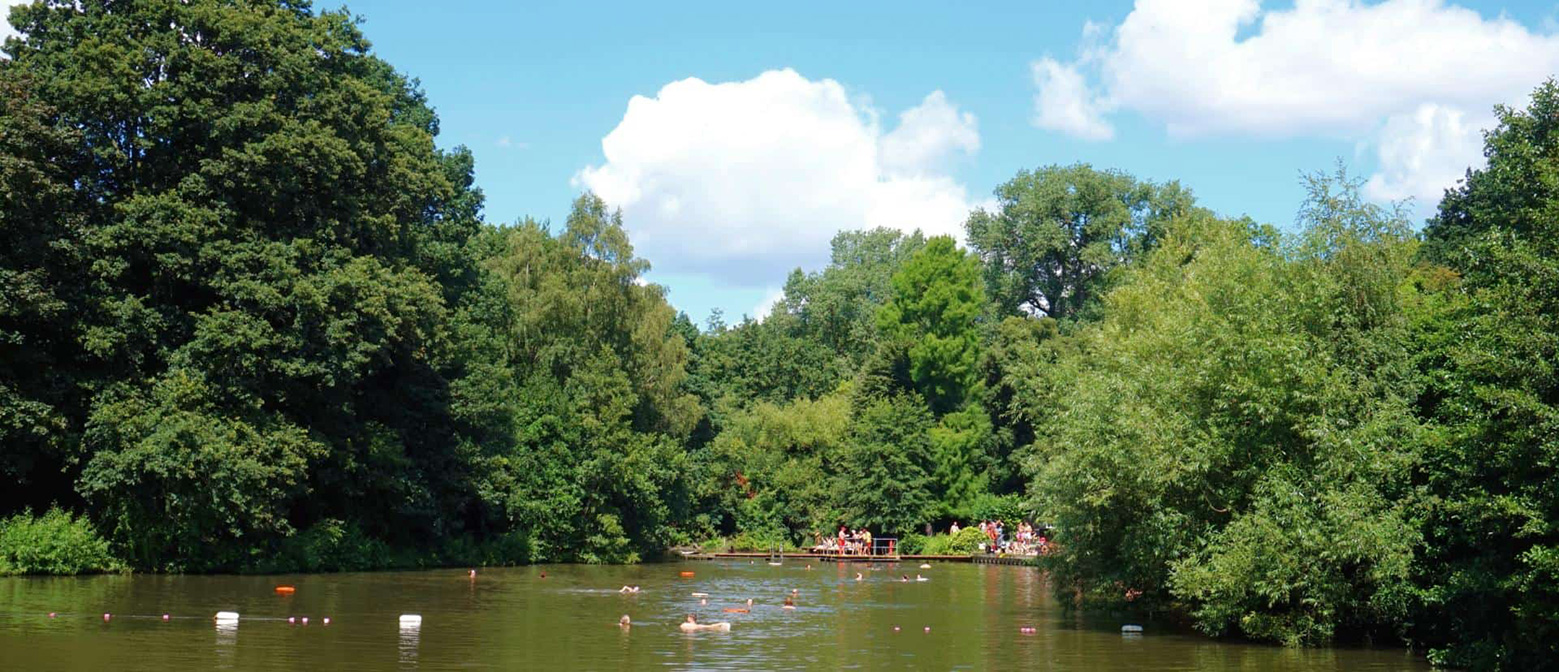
728	182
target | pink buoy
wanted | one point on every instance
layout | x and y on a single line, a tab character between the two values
166	617
305	620
51	614
928	628
107	616
326	621
895	628
292	619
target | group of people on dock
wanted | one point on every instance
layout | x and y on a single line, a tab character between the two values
847	542
1025	541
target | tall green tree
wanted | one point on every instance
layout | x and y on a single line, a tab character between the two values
40	218
268	241
1235	431
588	382
1492	351
1058	231
935	307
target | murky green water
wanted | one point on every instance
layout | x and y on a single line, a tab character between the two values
513	619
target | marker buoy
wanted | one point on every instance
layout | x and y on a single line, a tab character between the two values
928	628
292	619
107	616
166	617
326	621
411	620
285	590
685	575
305	620
227	616
51	614
1131	628
700	594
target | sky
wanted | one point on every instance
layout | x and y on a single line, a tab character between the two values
737	138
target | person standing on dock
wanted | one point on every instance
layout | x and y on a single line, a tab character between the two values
866	541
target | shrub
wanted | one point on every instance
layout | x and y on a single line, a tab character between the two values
1007	508
512	548
967	541
55	543
331	545
760	540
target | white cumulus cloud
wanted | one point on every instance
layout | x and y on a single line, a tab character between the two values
1423	152
766	305
746	180
1412	78
1063	102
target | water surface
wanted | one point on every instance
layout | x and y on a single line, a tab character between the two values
513	619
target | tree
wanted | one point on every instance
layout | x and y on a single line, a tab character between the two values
1234	431
588	380
40	220
1057	232
266	242
1490	345
935	307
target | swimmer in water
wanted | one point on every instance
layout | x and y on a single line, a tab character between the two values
629	589
543	575
790	602
904	578
623	622
692	625
858	576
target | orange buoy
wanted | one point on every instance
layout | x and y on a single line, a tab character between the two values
685	575
285	590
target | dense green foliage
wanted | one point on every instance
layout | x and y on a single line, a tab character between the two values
1057	232
252	319
1492	350
56	542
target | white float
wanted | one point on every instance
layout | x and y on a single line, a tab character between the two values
411	620
227	616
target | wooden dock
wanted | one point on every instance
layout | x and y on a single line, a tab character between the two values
1019	561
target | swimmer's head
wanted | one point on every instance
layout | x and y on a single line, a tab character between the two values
624	620
690	619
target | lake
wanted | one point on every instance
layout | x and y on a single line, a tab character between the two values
514	619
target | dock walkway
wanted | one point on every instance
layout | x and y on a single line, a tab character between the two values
1025	561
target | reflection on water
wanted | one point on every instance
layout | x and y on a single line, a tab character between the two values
980	617
226	642
410	633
